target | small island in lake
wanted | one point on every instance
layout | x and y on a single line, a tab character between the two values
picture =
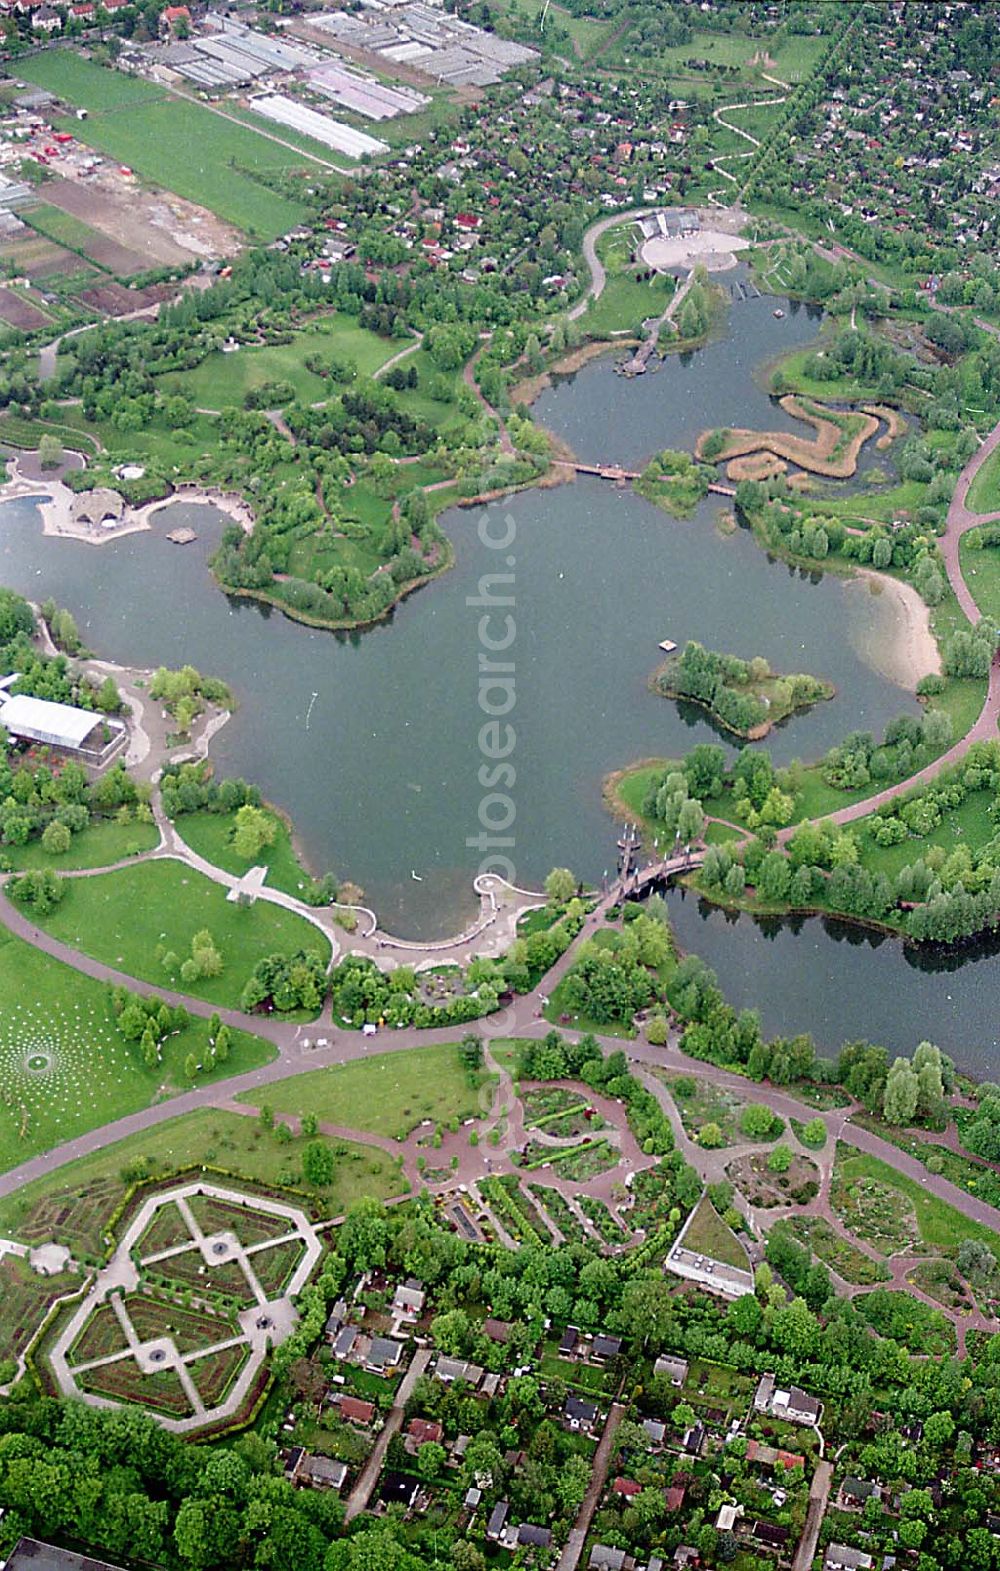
744	696
674	481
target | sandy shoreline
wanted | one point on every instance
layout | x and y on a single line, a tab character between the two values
55	504
914	651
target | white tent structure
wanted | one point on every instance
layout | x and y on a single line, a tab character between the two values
28	719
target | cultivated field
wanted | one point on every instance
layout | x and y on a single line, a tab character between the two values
175	143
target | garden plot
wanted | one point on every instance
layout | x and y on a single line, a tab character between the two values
18	311
173	1345
753	1177
880	1216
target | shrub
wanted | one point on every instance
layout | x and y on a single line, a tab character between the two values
758	1122
814	1134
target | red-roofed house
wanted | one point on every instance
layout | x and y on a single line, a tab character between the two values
627	1487
355	1411
422	1430
674	1497
173	16
467	221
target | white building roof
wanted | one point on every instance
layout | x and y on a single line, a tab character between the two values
40	720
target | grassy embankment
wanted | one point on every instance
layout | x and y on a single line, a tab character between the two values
103	842
78	1198
123	918
386	1094
64	1067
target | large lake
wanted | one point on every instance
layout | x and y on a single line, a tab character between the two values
372	742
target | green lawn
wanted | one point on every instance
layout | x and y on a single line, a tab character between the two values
941	1225
623	306
387	1094
176	451
184	147
984	492
210	834
227	1140
981	569
99	845
84	85
969	824
223	380
707	1234
120	918
64	1067
586	33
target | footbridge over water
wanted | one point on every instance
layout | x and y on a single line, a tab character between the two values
620	476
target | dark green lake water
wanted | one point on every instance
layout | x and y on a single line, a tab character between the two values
372	742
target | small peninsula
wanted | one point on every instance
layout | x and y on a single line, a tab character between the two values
743	696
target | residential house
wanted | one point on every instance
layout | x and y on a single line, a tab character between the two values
579	1414
335	1321
497	1330
345	1342
771	1535
656	1433
728	1517
841	1557
789	1403
533	1536
423	1430
395	1489
568	1342
673	1369
605	1347
497	1521
354	1411
174	17
449	1370
685	1555
694	1440
472	1499
384	1355
603	1558
855	1493
673	1498
321	1472
46	20
408	1304
626	1488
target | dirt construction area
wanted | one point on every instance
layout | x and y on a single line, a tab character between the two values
158	230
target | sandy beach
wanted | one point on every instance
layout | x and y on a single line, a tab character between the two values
911	651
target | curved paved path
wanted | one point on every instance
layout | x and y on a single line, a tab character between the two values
598	276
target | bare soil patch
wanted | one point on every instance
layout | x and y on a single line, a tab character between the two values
115	300
19	312
160	231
